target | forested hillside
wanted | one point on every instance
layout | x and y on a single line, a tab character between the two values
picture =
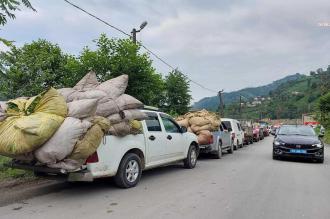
289	100
212	103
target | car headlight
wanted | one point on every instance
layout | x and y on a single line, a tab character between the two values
319	145
278	143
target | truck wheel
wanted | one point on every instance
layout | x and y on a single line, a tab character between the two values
129	171
191	160
231	150
39	174
218	153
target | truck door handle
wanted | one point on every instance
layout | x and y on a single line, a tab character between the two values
169	137
152	137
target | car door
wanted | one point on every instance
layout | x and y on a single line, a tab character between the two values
225	135
174	138
238	132
155	139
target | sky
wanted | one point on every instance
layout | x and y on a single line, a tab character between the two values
222	44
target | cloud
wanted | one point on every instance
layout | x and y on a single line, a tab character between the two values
222	44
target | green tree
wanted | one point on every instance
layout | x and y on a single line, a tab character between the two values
114	57
324	108
8	7
177	93
28	70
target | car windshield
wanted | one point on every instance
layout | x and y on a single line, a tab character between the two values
296	130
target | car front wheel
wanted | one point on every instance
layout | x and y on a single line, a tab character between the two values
129	171
191	160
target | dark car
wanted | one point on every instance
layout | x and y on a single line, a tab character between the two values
298	141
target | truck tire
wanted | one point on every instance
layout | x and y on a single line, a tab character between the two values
218	153
129	171
191	160
231	150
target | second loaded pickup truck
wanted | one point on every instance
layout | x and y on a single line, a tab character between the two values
221	141
162	142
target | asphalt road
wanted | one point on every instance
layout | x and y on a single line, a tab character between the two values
247	184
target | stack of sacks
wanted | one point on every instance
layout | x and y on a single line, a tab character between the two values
112	102
85	146
202	123
29	123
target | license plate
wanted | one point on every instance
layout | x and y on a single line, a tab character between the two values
298	151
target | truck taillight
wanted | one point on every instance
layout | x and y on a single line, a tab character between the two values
211	140
94	158
233	135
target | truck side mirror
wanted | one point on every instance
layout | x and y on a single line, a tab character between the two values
230	129
321	135
183	129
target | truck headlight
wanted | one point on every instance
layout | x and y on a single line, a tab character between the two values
319	145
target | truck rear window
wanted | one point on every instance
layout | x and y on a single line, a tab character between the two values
153	124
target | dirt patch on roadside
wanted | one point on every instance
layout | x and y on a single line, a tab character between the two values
16	190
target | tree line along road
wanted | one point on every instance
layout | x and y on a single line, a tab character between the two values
247	184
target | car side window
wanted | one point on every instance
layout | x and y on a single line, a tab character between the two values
153	124
170	126
239	128
224	126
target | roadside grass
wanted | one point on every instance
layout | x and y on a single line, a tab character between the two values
9	173
327	136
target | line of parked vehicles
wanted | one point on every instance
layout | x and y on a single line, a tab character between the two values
162	142
234	134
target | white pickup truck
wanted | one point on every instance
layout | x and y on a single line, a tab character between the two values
163	141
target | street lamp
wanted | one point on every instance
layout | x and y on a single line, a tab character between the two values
134	31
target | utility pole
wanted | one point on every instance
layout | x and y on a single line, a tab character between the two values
221	111
134	35
134	31
240	106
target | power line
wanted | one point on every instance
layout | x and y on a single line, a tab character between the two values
97	18
170	66
151	52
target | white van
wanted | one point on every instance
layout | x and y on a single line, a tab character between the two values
236	131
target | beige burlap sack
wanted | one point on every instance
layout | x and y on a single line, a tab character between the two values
124	102
82	108
127	115
66	92
88	82
120	129
114	87
204	137
196	129
61	144
199	121
184	122
89	94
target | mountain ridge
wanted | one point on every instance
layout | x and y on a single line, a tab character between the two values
212	103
